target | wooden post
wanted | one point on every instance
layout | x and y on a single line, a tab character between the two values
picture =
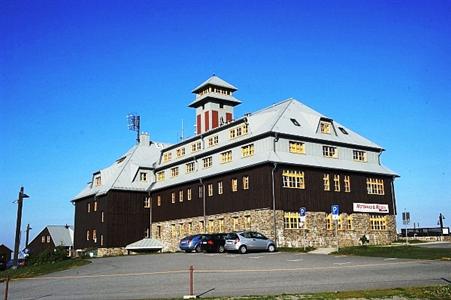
191	279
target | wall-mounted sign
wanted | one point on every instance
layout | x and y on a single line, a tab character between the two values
335	210
371	208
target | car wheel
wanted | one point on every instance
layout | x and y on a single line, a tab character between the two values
198	248
243	249
271	248
221	249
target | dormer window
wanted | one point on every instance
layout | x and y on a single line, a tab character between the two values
143	176
212	141
97	180
329	151
160	176
359	155
325	127
196	146
175	172
167	156
180	152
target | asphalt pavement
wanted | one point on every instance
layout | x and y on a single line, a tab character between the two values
166	276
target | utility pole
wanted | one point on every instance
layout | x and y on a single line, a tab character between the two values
27	237
440	220
22	195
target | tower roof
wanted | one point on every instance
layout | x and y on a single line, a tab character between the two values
216	81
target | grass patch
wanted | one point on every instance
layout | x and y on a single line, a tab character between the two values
287	249
413	252
431	292
41	269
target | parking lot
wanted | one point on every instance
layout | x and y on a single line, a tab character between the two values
166	275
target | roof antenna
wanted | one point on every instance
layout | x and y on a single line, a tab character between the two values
134	124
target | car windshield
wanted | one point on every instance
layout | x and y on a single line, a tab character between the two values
231	236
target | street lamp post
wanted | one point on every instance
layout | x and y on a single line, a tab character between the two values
22	195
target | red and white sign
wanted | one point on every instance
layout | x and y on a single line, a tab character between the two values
371	208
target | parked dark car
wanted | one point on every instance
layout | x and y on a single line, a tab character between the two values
213	242
245	241
191	243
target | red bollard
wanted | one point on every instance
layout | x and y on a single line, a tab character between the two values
191	283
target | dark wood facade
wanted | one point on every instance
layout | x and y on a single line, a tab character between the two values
43	241
5	253
125	219
259	194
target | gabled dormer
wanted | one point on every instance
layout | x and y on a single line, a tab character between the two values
326	126
214	104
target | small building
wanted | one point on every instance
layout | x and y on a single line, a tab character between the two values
5	253
52	236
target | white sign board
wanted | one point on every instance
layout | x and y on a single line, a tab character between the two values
371	208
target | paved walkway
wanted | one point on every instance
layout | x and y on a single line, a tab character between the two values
323	251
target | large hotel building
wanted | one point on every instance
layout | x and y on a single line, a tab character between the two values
252	172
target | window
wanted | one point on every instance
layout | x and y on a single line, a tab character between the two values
196	146
201	191
325	127
213	140
378	222
329	222
220	188
173	232
160	176
336	183
326	182
238	131
375	186
43	239
247	222
189	195
210	189
180	196
340	222
181	229
347	184
211	226
142	176
293	179
291	220
234	184
95	205
247	150
89	207
98	181
175	172
48	239
190	228
158	200
329	151
235	224
189	167
87	235
102	217
173	197
343	130
147	202
201	226
359	155
167	156
101	240
221	225
349	223
245	182
159	231
180	152
295	122
94	235
226	156
208	161
297	147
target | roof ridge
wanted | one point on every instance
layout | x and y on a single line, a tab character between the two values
123	167
290	100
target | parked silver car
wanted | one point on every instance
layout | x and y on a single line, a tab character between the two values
245	241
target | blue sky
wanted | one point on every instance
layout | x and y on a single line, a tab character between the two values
70	71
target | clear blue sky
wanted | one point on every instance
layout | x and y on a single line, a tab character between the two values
70	71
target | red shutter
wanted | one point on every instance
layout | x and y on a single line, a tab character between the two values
207	120
198	124
228	117
215	119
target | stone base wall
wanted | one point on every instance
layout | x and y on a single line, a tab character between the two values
315	233
101	252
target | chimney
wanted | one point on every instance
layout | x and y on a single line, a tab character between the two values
144	138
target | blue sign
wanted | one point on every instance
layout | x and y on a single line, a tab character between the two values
302	211
335	210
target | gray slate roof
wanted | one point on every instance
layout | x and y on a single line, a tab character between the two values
215	80
228	98
62	235
122	175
